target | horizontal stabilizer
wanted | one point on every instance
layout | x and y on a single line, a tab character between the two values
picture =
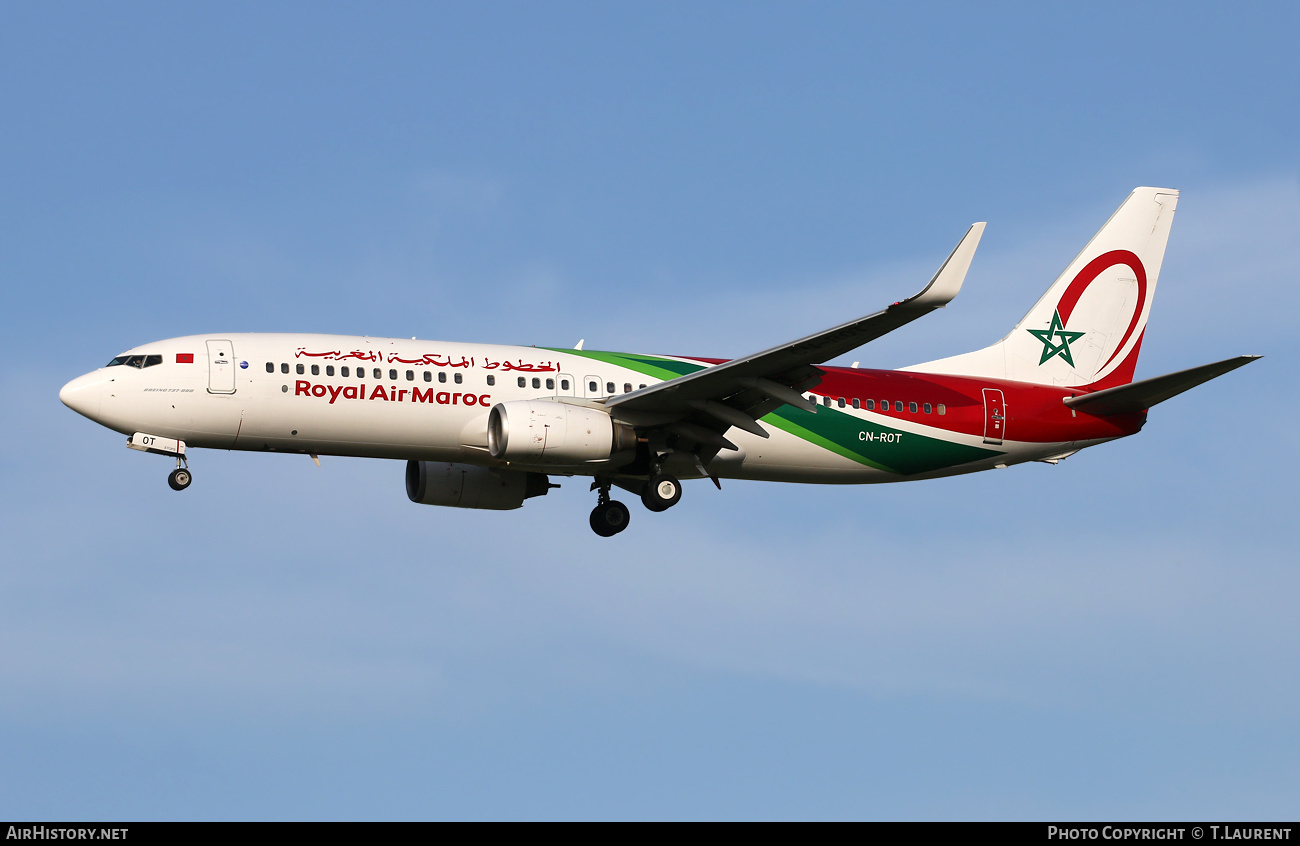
1139	396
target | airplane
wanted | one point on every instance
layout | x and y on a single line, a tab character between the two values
486	426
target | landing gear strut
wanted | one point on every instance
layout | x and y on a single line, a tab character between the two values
609	517
180	478
662	492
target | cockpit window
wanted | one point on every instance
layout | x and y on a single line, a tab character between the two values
121	359
151	360
135	361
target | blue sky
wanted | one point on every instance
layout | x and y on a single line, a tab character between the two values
1111	637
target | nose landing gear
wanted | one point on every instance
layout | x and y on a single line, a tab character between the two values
610	516
180	478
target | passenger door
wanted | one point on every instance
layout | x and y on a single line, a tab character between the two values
995	416
221	367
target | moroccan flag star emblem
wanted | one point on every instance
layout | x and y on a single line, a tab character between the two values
1051	348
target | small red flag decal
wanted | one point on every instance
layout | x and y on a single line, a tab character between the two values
184	358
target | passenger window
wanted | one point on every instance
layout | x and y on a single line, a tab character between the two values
523	383
343	371
378	374
826	401
871	405
392	374
639	387
898	405
315	370
927	408
329	370
442	376
301	370
270	368
609	388
592	387
627	387
841	402
428	377
942	410
857	403
911	406
537	383
550	384
564	384
492	380
284	368
457	378
410	375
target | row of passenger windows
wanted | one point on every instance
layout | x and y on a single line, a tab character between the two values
870	405
136	361
593	387
376	373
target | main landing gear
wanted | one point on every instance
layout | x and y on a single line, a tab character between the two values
662	492
610	517
180	478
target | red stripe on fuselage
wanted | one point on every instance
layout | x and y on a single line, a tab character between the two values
1035	413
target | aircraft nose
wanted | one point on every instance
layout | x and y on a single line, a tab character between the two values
83	394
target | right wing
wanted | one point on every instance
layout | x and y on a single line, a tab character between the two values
738	392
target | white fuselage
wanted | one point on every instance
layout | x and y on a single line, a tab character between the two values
414	400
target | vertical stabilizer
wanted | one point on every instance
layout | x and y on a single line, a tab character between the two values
1087	329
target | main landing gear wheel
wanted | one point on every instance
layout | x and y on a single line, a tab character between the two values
661	493
179	479
609	518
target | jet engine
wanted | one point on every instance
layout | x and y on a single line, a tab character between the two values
468	486
549	432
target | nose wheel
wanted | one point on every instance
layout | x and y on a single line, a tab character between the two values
180	478
610	516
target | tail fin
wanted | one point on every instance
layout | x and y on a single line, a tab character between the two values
1087	329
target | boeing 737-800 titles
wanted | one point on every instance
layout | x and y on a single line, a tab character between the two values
486	426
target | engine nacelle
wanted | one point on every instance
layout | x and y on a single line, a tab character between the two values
549	432
468	486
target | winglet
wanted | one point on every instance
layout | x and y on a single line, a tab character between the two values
947	281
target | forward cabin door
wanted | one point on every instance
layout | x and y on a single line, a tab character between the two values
995	416
221	367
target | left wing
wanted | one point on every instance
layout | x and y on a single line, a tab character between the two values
740	391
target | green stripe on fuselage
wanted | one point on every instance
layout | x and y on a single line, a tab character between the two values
660	368
869	443
882	447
